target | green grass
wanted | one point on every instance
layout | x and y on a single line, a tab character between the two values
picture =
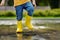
55	13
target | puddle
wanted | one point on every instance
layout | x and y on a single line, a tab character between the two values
21	37
45	32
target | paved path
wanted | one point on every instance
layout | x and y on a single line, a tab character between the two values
34	21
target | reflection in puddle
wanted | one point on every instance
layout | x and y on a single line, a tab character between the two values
30	37
19	36
45	32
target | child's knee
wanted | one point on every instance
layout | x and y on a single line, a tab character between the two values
30	11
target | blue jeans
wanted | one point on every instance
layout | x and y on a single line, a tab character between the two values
19	10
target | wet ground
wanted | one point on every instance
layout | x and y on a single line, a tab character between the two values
48	31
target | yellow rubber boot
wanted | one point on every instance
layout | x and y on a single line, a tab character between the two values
19	26
28	22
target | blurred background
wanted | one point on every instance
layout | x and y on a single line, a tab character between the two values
45	8
46	21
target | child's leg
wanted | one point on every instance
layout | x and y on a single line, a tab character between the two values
19	14
29	7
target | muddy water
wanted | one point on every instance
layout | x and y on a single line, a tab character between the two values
46	31
21	37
